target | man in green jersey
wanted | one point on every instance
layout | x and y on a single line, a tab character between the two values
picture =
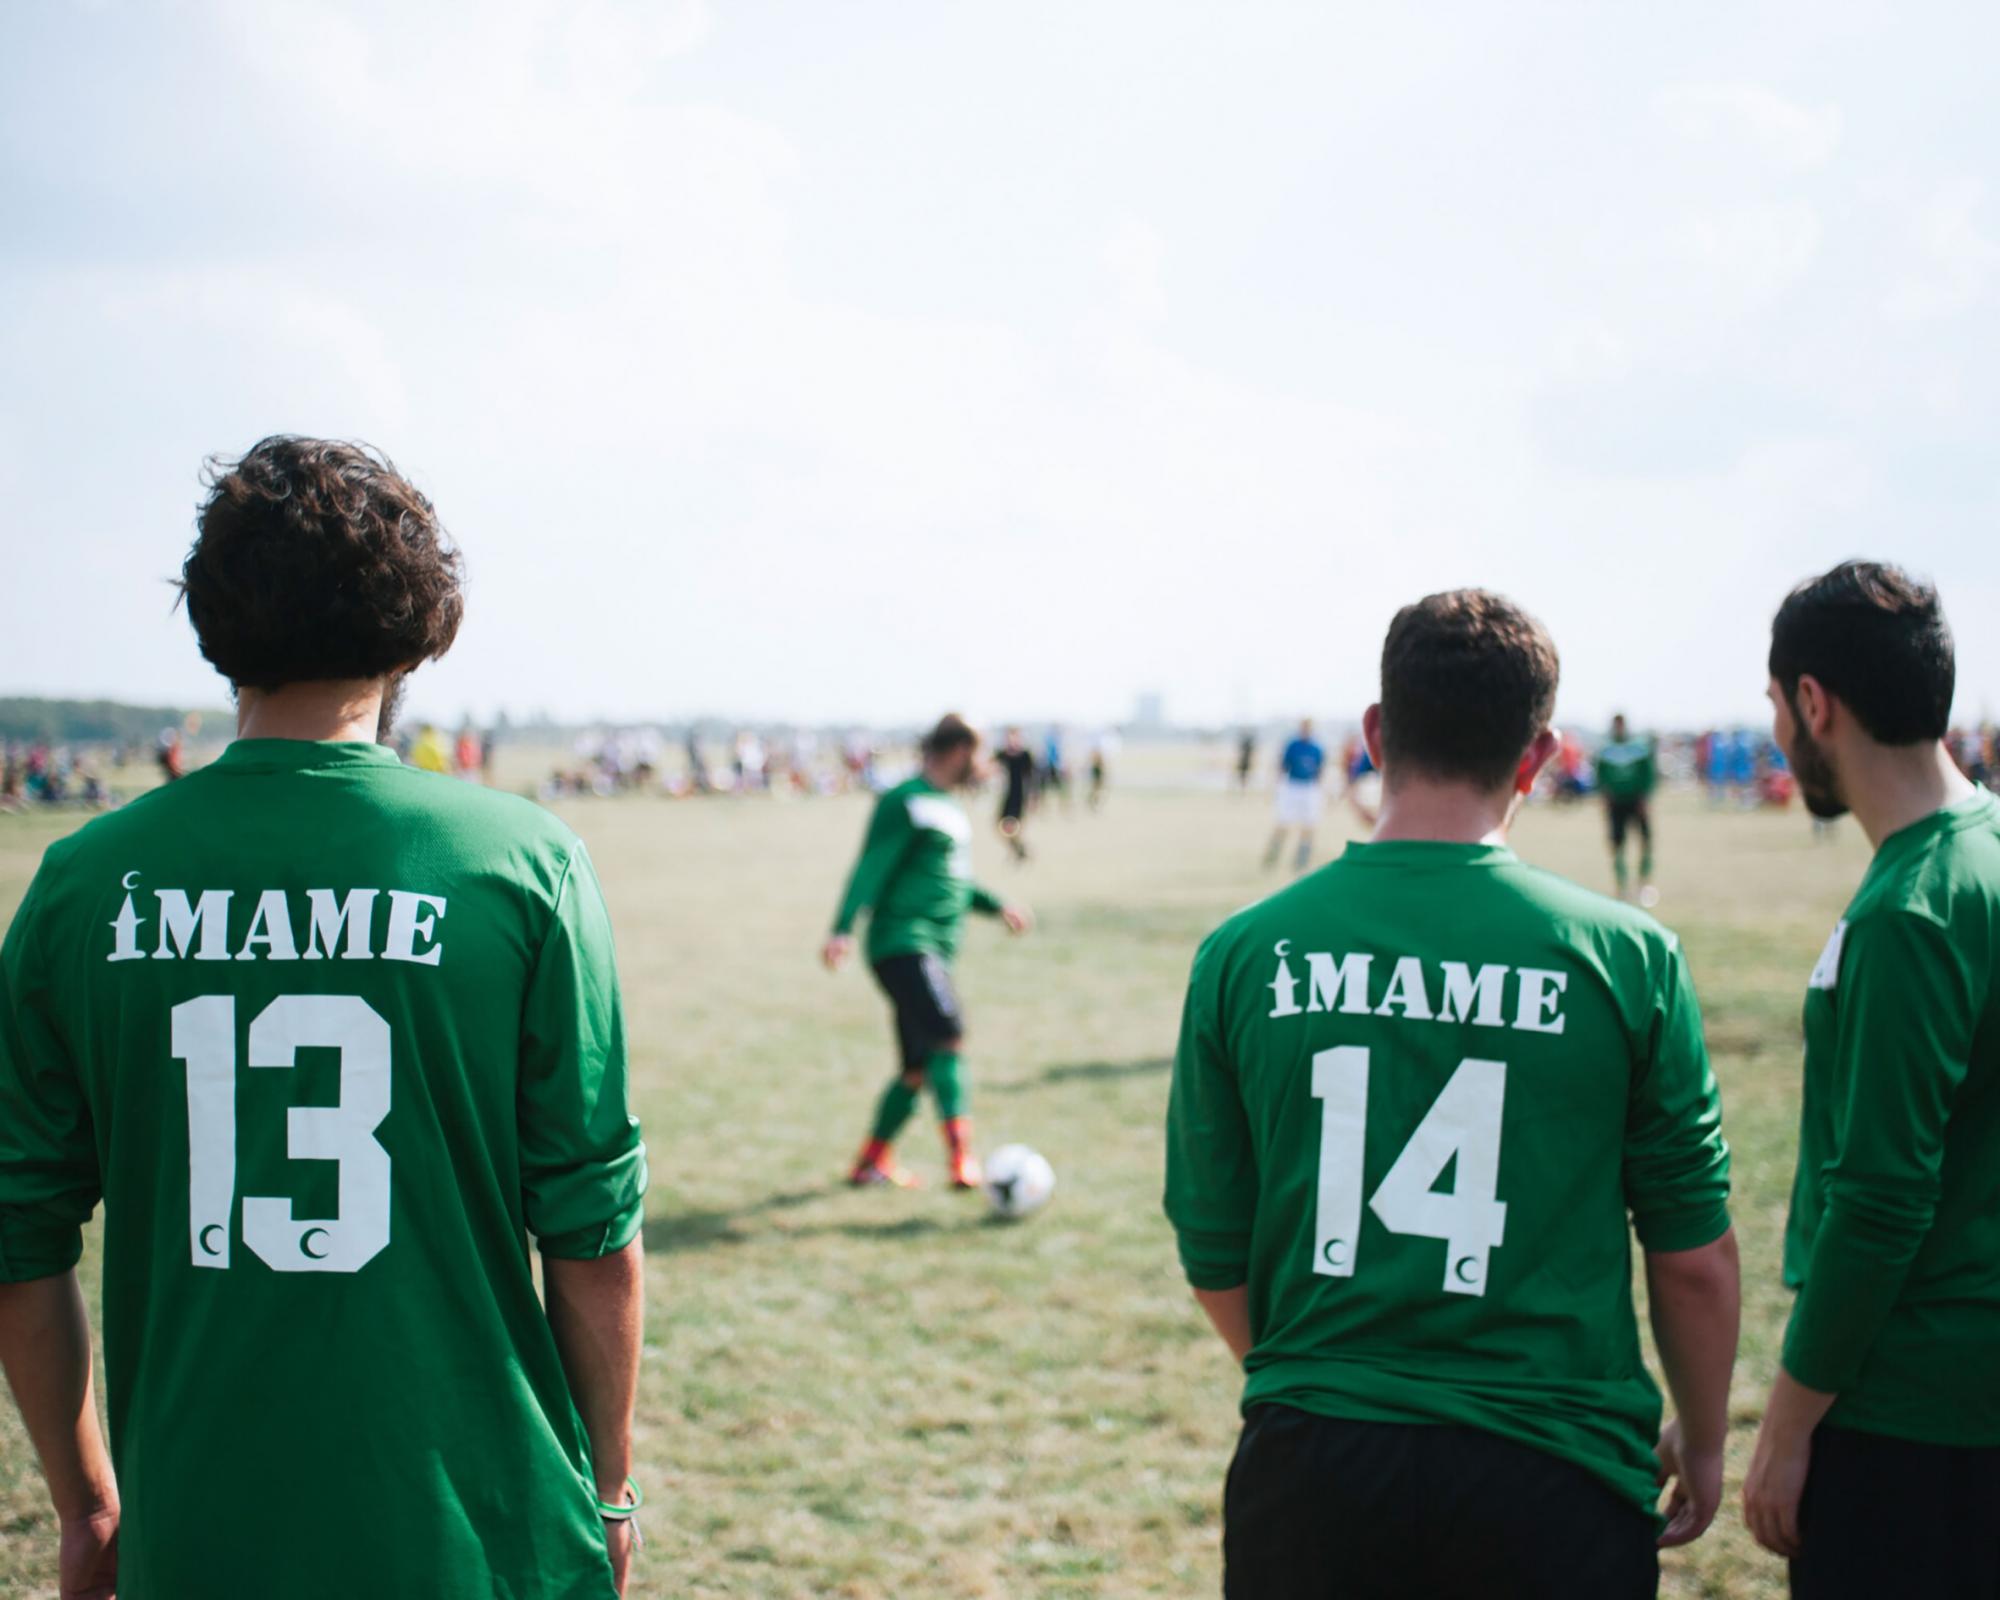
330	1037
1877	1469
1417	1096
914	879
1627	774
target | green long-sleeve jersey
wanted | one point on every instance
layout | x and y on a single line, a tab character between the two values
914	877
1628	769
1415	1099
330	1037
1894	1238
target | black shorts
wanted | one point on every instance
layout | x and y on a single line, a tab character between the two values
1319	1508
1625	813
928	1016
1884	1516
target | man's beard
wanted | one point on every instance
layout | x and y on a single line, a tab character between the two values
1818	786
392	705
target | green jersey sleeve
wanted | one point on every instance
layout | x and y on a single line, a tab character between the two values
1211	1197
583	1166
1676	1161
985	901
889	835
49	1177
1909	1007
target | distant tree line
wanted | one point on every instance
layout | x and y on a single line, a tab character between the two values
93	721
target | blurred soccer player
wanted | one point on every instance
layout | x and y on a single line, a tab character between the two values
1445	1394
1301	765
1877	1469
914	880
1017	768
1627	773
328	1035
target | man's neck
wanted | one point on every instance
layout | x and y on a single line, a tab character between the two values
347	710
1888	787
1444	813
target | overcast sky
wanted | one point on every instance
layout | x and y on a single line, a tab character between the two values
848	361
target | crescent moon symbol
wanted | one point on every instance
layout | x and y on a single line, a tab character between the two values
212	1249
305	1244
1332	1245
126	881
1282	946
1459	1268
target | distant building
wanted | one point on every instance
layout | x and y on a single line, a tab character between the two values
1149	713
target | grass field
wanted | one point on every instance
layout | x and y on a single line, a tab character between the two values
881	1394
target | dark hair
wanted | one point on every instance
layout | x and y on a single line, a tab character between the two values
314	559
1468	681
1876	638
952	732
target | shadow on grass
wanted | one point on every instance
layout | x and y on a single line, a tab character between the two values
703	1230
709	1230
1084	1072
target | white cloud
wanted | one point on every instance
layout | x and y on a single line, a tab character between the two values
1753	251
1134	255
1788	136
1955	257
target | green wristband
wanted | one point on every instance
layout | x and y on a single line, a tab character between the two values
625	1512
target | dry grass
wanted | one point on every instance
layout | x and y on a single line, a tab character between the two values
873	1395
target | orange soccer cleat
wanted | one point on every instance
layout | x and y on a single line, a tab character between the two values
876	1165
964	1164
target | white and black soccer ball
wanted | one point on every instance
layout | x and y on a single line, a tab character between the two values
1018	1181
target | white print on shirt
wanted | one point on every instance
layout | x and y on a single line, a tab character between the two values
1826	971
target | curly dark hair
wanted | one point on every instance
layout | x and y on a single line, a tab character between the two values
314	559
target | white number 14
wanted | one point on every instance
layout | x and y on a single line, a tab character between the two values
1464	1121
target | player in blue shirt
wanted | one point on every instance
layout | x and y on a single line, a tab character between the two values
1300	769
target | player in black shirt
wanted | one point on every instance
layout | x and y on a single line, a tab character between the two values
1017	767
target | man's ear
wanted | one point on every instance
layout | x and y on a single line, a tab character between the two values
1812	706
1371	733
1538	756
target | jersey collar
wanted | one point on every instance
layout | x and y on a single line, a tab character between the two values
1427	853
302	755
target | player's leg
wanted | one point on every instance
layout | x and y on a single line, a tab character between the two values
901	980
1303	858
1276	847
943	1022
1620	821
1642	819
1010	829
1884	1516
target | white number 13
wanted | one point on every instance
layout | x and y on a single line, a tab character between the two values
1463	1121
204	1037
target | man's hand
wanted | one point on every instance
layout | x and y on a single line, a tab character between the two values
619	1541
1019	919
834	953
1776	1481
1697	1480
87	1558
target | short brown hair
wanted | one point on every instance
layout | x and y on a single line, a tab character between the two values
314	559
952	732
1468	681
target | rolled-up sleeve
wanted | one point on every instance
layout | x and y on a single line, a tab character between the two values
1211	1189
50	1180
583	1164
1676	1160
